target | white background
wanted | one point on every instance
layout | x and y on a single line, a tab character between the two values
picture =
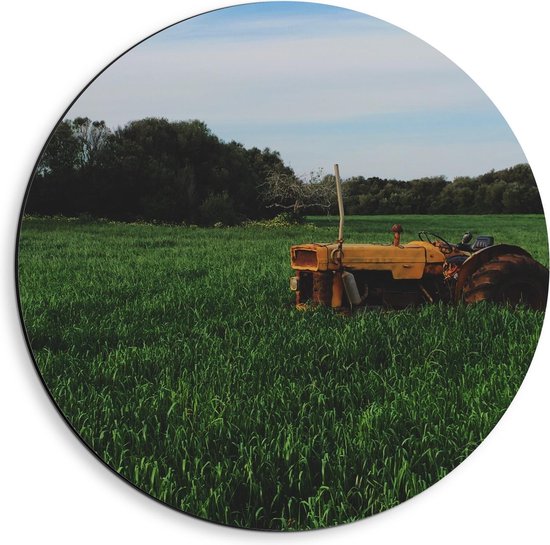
53	489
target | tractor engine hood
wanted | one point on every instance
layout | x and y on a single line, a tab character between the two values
404	262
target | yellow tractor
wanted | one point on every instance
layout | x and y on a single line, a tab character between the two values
345	276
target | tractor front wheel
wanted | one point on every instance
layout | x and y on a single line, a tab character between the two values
511	279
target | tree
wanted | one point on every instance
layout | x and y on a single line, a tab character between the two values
218	208
93	137
290	192
61	152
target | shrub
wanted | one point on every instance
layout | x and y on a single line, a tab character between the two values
285	219
218	208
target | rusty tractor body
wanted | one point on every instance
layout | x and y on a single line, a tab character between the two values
428	270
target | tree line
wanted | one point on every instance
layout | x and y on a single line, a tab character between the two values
180	172
508	191
150	169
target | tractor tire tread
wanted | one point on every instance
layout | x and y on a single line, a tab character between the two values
499	280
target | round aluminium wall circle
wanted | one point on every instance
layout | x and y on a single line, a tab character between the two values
153	277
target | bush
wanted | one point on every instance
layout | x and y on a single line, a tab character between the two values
289	217
285	219
218	208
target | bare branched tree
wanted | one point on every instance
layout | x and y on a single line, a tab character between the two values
297	193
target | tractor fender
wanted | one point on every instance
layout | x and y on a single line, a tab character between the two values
478	259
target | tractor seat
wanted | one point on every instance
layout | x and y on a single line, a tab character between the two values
482	241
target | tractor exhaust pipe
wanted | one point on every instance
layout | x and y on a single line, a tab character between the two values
340	204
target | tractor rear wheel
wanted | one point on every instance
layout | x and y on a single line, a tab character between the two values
511	279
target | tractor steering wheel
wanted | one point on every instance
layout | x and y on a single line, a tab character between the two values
447	247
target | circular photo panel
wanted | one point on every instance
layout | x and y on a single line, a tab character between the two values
282	266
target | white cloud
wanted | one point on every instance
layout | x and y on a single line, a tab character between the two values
250	77
281	80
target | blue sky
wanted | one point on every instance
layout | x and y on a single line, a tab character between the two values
317	83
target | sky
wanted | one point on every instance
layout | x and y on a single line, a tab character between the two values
319	84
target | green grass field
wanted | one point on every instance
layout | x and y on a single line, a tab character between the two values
177	355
